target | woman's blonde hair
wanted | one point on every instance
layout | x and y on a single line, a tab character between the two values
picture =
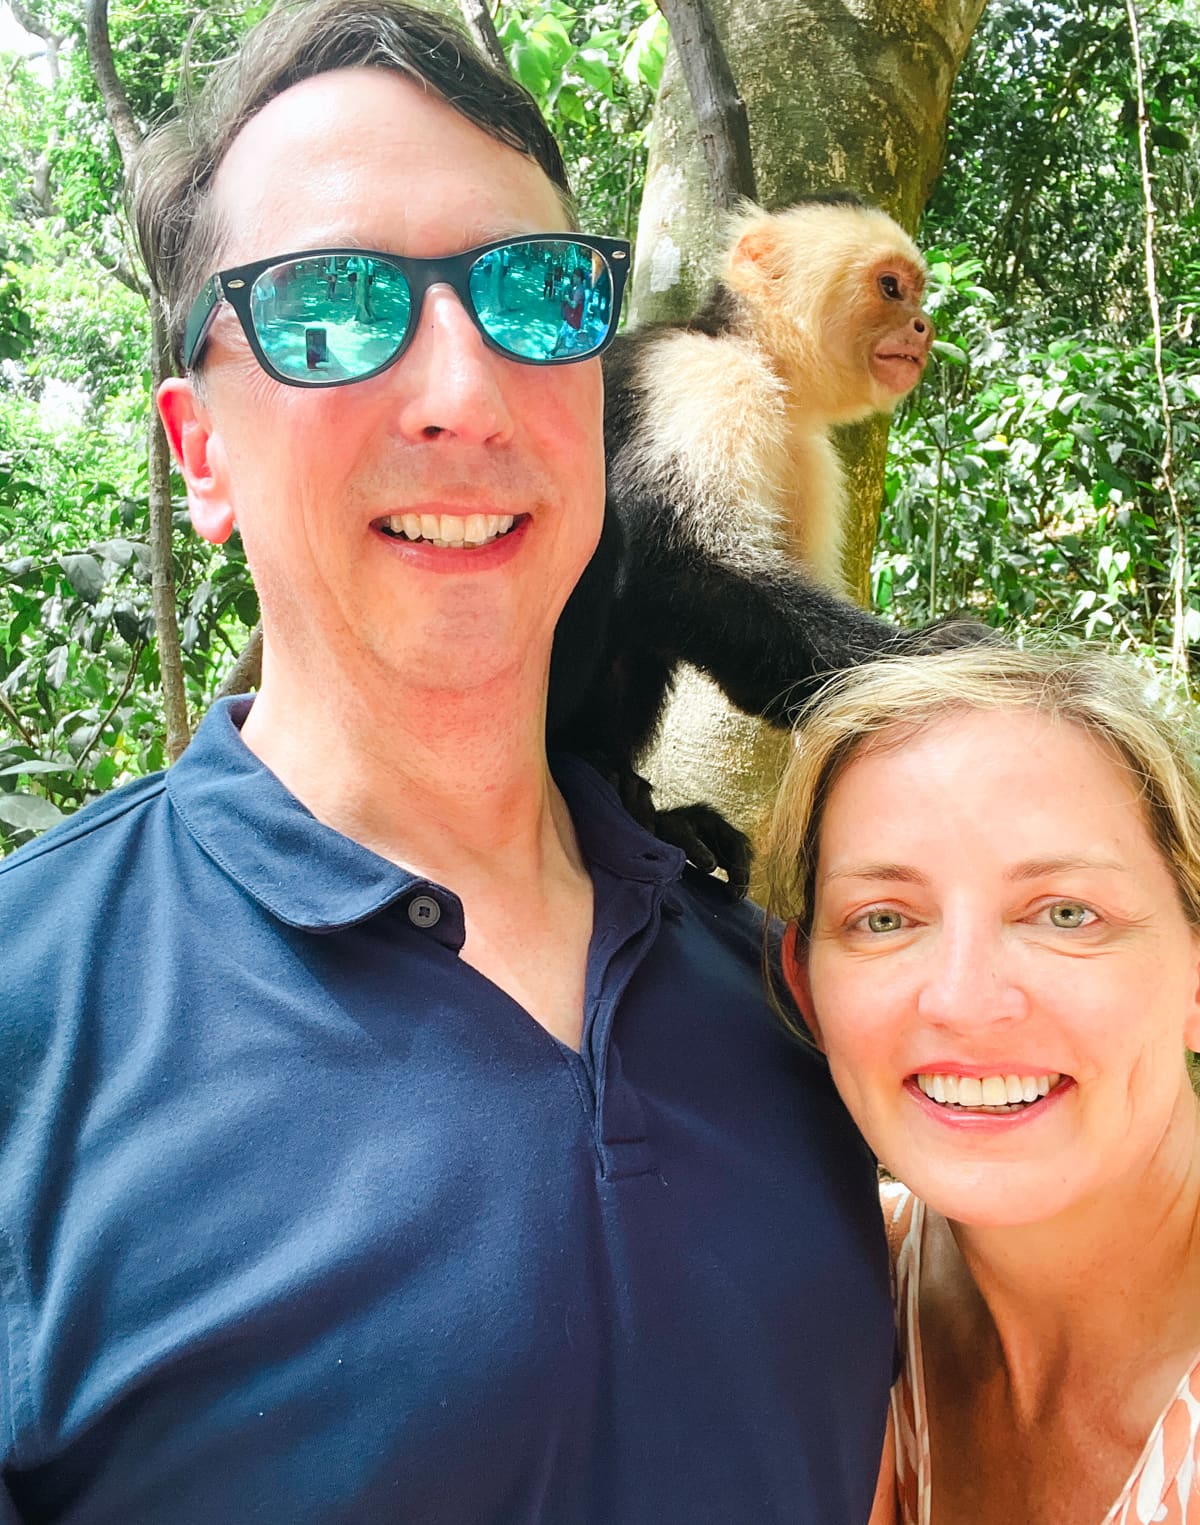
885	703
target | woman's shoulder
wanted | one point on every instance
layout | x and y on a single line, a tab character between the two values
1165	1486
901	1216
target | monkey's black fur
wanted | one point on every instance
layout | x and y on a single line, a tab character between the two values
659	592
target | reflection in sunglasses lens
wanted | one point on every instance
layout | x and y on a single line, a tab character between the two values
543	298
340	317
330	319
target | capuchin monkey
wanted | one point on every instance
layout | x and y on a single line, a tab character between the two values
723	532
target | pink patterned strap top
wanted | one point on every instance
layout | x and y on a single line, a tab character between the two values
1164	1487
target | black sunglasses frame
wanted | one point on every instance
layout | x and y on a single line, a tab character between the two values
236	287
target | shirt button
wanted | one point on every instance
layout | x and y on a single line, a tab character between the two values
424	911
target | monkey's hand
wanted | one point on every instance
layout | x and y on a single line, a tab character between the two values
710	842
637	795
706	838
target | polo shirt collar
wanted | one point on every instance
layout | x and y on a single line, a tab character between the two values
312	877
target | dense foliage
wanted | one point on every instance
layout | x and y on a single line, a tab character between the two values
1025	480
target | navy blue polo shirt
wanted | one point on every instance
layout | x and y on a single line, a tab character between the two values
303	1220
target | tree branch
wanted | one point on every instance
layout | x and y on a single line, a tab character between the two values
16	722
720	110
162	530
1179	568
127	276
28	22
116	704
116	103
246	672
482	28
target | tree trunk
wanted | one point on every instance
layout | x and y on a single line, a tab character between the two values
718	109
162	552
838	94
483	29
162	549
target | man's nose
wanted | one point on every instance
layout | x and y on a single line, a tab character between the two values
452	384
968	978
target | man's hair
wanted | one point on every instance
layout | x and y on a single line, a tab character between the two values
170	191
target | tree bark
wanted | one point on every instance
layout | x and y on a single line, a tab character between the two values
719	109
162	550
482	28
851	93
30	23
246	672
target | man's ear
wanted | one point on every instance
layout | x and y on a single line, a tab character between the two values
794	957
200	456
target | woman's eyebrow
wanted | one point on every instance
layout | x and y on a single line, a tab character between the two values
896	873
1032	868
1038	868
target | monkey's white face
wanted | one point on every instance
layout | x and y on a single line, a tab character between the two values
835	295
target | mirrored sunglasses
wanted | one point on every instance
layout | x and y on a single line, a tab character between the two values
326	317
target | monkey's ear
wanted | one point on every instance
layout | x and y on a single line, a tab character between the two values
754	257
794	958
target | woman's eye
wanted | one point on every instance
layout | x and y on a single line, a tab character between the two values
1070	914
882	921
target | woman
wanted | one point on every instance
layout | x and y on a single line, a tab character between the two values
989	860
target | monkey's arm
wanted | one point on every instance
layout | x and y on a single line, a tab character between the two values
761	628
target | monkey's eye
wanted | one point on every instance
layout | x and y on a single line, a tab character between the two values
890	287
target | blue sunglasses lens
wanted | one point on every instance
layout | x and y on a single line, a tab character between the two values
334	318
543	299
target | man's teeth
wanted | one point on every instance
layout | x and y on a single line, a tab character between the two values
999	1091
445	530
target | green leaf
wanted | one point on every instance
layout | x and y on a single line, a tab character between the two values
85	574
569	105
34	765
28	812
104	772
549	34
118	550
944	350
643	62
595	70
55	672
201	596
130	624
246	607
530	66
1169	138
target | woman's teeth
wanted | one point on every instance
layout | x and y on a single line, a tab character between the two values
467	530
999	1093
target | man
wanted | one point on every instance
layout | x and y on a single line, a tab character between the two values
388	1131
570	334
